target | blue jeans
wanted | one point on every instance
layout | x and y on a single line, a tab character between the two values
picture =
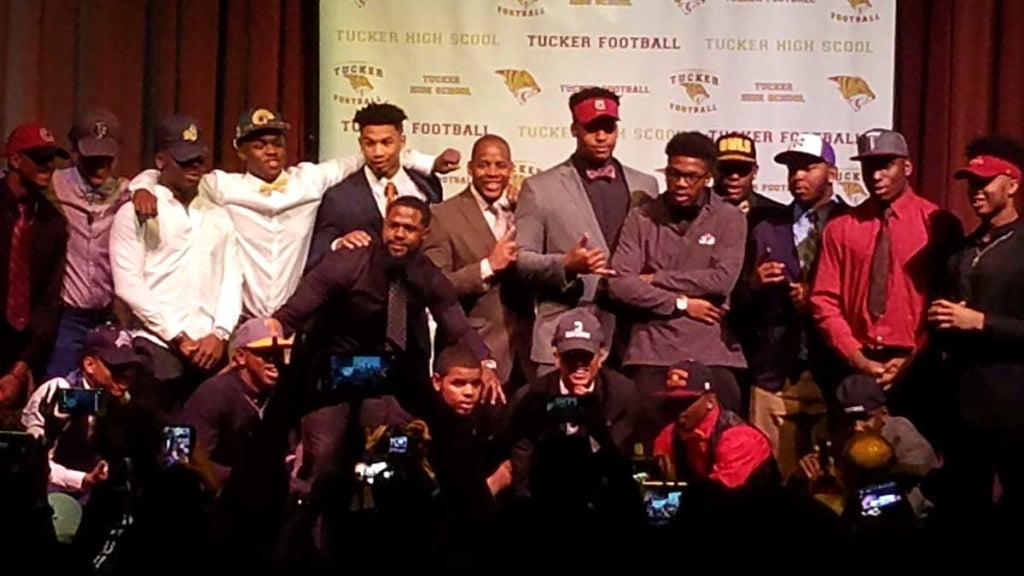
74	324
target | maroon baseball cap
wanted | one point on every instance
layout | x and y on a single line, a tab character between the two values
988	167
33	136
591	109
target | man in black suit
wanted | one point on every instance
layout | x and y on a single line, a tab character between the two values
33	239
373	301
357	204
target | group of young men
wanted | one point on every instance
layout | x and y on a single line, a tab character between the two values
684	311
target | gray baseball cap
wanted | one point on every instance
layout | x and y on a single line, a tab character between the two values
97	132
879	142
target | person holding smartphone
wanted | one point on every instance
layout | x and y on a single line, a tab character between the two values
63	410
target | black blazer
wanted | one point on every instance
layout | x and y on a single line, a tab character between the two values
49	239
349	206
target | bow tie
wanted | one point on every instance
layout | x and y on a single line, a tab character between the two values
608	173
279	185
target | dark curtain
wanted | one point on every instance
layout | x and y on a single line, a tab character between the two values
146	59
959	72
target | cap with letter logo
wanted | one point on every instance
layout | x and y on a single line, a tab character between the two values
807	146
258	121
96	133
578	329
879	142
180	136
591	109
34	137
736	147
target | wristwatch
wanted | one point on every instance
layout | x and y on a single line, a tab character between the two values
490	365
681	303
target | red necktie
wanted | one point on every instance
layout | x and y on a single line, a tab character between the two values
18	286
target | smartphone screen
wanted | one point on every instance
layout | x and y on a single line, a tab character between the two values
179	443
661	502
358	375
398	444
78	401
875	499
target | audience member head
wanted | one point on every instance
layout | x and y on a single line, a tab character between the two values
691	158
95	142
458	378
181	154
811	166
108	360
736	167
381	137
993	173
490	167
884	163
259	140
868	458
258	350
863	403
690	391
595	124
406	224
31	150
579	350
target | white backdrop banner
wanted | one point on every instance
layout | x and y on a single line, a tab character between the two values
463	68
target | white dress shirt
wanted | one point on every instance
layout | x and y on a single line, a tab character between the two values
274	230
62	479
405	185
180	272
502	206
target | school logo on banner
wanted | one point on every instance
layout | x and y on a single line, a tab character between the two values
855	90
693	91
520	8
855	12
520	83
522	171
688	6
360	81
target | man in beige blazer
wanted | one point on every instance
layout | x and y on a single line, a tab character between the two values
569	218
473	241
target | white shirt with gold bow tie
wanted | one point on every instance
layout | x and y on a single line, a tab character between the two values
274	220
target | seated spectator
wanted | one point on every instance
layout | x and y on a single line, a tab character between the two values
708	442
227	407
106	364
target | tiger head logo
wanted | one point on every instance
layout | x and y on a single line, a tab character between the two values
855	90
520	83
697	93
861	6
359	83
853	191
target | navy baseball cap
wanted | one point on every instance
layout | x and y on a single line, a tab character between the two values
687	379
180	136
578	329
860	394
110	344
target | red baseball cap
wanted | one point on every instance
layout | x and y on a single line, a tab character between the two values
988	167
34	136
591	109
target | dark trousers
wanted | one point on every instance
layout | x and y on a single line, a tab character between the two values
172	378
657	412
74	324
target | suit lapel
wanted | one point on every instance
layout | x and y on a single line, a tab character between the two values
582	211
480	238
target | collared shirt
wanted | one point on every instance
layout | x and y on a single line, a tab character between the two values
565	389
840	293
405	185
179	272
89	211
608	198
805	220
740	450
40	414
274	230
503	207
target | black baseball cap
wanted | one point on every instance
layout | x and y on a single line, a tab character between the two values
97	132
257	121
698	381
110	344
180	136
860	394
736	147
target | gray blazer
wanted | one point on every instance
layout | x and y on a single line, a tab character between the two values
552	215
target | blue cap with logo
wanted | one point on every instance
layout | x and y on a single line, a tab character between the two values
578	329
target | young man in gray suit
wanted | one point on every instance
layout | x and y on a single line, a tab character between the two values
569	216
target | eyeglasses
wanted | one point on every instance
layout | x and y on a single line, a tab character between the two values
690	178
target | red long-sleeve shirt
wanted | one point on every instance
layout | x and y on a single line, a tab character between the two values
919	232
739	452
